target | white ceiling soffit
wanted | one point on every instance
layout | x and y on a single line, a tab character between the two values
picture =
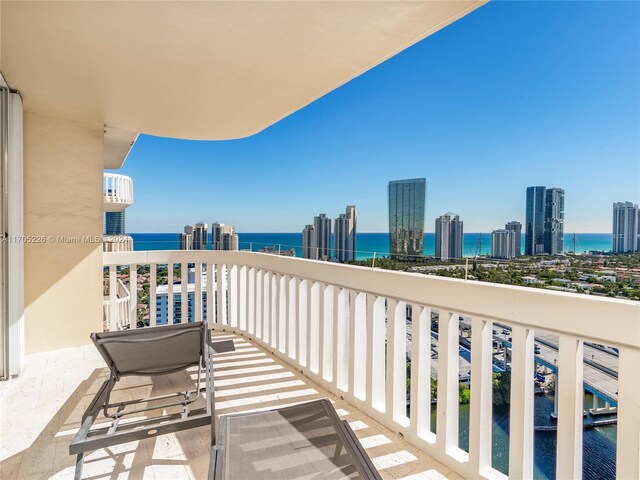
117	145
201	70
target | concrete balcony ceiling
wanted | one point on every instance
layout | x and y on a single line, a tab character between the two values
200	70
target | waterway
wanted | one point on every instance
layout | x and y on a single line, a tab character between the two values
599	444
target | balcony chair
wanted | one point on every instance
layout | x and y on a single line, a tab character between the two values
149	352
307	440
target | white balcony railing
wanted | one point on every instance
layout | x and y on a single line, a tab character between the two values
117	191
116	307
345	328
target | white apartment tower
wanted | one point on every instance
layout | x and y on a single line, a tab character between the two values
626	227
309	246
345	235
503	244
449	235
322	228
224	237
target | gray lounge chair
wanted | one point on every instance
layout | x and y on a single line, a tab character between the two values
147	352
302	441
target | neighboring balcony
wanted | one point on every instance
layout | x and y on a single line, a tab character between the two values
117	192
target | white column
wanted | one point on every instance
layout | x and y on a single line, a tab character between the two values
480	422
170	293
197	294
113	295
357	347
184	293
628	441
292	330
153	280
420	409
133	296
570	407
258	303
396	361
521	414
448	372
375	352
341	340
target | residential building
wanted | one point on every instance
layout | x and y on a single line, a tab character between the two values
163	302
322	229
406	217
186	241
219	241
554	221
503	243
534	221
345	235
309	245
516	227
626	227
544	222
200	236
449	236
117	196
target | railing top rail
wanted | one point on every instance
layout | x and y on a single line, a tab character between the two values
116	175
608	321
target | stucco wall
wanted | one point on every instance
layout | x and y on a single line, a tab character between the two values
62	198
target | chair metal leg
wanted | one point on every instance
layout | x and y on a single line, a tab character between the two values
79	462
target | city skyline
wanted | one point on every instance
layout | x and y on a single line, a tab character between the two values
480	117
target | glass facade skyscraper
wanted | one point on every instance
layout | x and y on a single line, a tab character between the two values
554	221
406	216
534	222
114	223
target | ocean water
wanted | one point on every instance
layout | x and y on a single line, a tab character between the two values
366	243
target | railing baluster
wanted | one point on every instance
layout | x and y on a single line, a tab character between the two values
113	297
396	361
275	310
324	360
184	293
521	414
420	407
153	298
357	348
304	317
133	296
341	340
220	294
258	303
292	330
570	391
283	314
241	295
266	304
480	422
210	296
170	293
313	343
447	425
197	293
375	352
628	442
232	292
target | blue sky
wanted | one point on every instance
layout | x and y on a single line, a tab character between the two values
512	95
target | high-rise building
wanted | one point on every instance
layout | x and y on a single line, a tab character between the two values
406	216
503	243
322	228
185	241
449	235
534	221
626	227
200	236
345	235
516	227
223	237
309	247
554	221
114	223
229	241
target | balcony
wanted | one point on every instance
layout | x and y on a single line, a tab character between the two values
117	192
346	332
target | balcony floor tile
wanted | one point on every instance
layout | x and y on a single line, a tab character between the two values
40	412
